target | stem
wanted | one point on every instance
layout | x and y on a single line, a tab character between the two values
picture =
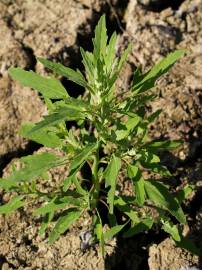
95	178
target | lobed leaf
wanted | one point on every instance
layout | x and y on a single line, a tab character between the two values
42	136
48	87
69	73
147	81
159	194
35	166
15	203
67	218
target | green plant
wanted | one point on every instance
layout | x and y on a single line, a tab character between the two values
112	139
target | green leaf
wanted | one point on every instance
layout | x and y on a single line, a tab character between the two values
69	73
6	184
184	193
42	136
67	218
159	194
111	52
148	80
62	114
58	203
88	64
100	40
189	245
172	230
124	206
129	125
45	222
82	156
135	174
99	232
35	166
110	175
113	231
48	87
163	145
15	203
144	225
124	57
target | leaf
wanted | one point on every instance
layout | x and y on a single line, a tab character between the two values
131	123
43	136
124	207
62	114
113	231
110	175
82	156
163	145
159	194
99	233
172	230
15	203
148	80
111	52
57	204
45	222
69	73
135	174
35	166
124	57
88	64
184	193
67	218
100	39
144	225
189	245
48	87
6	184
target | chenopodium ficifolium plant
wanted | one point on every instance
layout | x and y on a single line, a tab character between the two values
112	140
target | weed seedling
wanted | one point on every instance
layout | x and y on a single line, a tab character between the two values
112	139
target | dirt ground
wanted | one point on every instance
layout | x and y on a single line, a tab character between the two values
55	29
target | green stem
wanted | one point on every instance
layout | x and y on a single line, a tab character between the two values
95	179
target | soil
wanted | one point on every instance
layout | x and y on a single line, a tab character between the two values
55	29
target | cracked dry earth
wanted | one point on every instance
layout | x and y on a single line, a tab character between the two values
55	29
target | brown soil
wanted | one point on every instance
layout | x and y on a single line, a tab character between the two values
55	29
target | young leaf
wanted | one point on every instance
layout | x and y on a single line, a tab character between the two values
15	203
99	232
100	40
110	176
124	57
67	218
111	52
43	136
69	73
135	174
159	194
48	87
148	80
